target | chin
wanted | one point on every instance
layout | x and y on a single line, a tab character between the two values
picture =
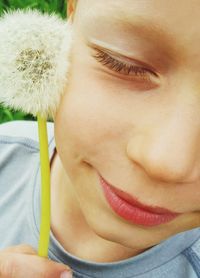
115	230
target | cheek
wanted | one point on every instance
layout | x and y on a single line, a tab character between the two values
82	126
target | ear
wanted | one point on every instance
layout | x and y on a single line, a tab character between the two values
70	7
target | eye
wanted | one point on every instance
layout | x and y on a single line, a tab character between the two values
113	64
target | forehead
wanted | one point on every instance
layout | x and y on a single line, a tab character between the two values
178	18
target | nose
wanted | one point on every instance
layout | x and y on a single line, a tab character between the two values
170	150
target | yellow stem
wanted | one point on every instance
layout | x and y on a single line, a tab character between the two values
45	188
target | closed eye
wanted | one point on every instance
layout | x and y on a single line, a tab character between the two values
141	73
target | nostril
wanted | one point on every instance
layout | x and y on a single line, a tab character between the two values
168	172
165	169
165	158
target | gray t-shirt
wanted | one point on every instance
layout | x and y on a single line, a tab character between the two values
178	256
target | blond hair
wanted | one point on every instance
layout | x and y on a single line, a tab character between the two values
71	5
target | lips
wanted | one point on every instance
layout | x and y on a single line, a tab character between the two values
132	210
134	202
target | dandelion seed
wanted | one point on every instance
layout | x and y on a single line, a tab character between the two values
34	61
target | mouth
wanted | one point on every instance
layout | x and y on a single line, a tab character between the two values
130	209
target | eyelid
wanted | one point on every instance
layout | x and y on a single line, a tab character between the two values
132	72
117	65
118	55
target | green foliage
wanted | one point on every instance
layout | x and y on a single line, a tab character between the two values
7	115
58	6
47	6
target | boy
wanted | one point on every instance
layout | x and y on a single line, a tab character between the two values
125	171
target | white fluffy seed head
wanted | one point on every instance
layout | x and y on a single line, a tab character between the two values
34	61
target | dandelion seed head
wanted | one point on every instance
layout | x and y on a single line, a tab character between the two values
34	61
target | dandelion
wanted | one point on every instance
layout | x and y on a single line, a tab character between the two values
34	65
34	61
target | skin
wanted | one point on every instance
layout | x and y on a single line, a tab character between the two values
141	133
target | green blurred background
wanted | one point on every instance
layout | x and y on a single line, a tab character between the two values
58	6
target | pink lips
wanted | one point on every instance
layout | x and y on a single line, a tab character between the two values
132	210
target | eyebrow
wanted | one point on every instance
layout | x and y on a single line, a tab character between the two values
145	28
141	23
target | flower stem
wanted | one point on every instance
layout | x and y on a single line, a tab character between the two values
45	188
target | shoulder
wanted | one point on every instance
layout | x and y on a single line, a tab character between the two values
19	160
23	130
19	148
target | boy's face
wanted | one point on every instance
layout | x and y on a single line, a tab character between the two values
139	130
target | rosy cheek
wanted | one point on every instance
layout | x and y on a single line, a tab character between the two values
84	120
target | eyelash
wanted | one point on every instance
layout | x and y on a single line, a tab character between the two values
121	67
